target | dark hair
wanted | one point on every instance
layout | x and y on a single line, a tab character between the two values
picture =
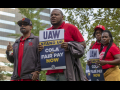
95	32
110	44
60	11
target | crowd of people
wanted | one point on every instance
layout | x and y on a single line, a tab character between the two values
26	49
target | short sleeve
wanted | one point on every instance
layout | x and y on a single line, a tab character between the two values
77	36
114	50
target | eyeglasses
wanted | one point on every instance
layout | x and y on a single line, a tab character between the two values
24	24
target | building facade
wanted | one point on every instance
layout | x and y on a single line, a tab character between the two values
8	16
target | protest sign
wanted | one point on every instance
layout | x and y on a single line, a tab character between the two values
88	75
96	72
52	56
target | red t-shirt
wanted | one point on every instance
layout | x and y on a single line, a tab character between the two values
96	46
20	54
72	33
114	50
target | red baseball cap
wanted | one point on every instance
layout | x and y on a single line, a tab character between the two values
100	27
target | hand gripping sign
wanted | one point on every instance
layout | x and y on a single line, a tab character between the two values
52	56
96	72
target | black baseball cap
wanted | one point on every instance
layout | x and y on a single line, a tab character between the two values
25	20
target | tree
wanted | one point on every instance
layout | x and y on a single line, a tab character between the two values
86	19
34	15
2	76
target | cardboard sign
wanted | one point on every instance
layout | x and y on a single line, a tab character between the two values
52	56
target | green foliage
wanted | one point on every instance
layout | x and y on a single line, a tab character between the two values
1	74
6	73
9	64
42	76
16	35
83	63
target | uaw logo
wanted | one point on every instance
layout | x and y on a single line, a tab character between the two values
29	40
30	43
101	55
53	66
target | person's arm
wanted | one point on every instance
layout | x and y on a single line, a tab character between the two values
9	57
77	36
116	53
83	43
38	66
116	61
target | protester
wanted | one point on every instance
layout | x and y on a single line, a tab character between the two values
25	54
71	34
109	57
97	34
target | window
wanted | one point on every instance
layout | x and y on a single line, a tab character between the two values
7	22
7	14
43	21
7	39
3	46
7	30
12	8
43	13
2	55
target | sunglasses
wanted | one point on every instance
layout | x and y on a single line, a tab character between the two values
24	24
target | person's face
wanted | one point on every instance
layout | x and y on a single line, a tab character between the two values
105	39
25	28
98	34
56	17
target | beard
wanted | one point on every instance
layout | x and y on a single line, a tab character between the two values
24	31
57	23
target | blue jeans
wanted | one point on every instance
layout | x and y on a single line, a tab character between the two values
56	77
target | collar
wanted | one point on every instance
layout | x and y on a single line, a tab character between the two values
59	26
31	37
97	43
24	39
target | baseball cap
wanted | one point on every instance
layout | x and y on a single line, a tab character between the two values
100	27
25	20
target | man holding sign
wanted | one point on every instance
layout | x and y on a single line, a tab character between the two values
71	33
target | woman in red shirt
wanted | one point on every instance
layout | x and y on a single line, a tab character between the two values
109	57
